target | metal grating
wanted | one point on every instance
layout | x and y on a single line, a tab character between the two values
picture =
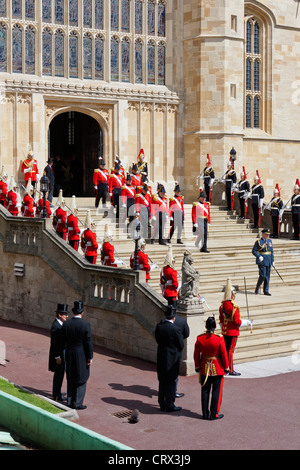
122	414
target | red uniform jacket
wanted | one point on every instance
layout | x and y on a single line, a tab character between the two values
136	180
229	316
143	263
3	192
30	169
127	192
12	202
210	348
176	204
143	200
28	206
116	181
89	243
39	208
60	220
159	205
100	176
108	254
73	229
169	282
200	210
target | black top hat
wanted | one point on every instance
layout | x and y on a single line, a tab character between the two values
62	308
265	230
170	312
78	307
50	160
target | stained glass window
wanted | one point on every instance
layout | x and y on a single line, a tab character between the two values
138	17
99	47
125	15
161	57
114	59
248	36
161	19
59	54
248	75
30	50
17	49
59	11
248	111
253	77
73	55
46	11
2	7
47	52
151	17
256	75
256	112
114	15
138	65
87	13
125	60
3	48
16	8
30	9
256	38
151	63
73	12
87	56
99	14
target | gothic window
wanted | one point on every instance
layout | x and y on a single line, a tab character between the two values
114	59
256	112
87	56
73	55
248	111
151	62
3	48
73	12
138	17
125	15
114	15
125	60
256	75
99	14
87	13
256	38
248	74
46	11
253	69
47	52
30	9
17	49
59	54
161	57
59	11
151	17
16	9
99	50
161	19
2	7
138	62
30	50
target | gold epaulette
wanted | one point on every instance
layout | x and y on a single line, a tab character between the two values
96	170
154	197
171	199
123	187
182	197
195	204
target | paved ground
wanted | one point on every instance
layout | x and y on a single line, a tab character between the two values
261	407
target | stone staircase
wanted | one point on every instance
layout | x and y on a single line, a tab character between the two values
276	319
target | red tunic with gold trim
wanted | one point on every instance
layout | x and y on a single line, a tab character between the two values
201	210
12	206
230	318
210	348
60	222
143	263
27	208
176	204
30	170
73	229
89	243
169	282
3	192
108	254
40	206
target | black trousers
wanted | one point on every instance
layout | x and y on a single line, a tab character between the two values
213	388
75	394
58	377
242	206
275	223
166	393
101	194
255	209
296	222
117	201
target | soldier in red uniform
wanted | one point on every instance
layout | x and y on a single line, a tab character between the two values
40	207
135	177
143	259
168	280
88	242
28	203
3	188
230	321
100	182
72	224
201	219
60	217
176	210
108	250
128	193
159	212
211	361
12	198
30	169
116	181
143	201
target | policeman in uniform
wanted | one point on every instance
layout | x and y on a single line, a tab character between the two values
230	182
211	361
263	251
72	224
100	182
257	198
208	176
276	204
88	242
176	210
30	170
295	203
201	219
243	190
168	280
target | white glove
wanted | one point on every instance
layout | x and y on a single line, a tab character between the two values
95	187
195	225
273	264
246	323
153	266
260	259
119	261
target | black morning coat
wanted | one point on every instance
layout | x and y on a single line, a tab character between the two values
79	349
170	344
56	345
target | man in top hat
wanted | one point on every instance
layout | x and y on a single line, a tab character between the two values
79	355
230	322
100	182
88	242
230	183
295	203
28	202
211	361
263	251
49	172
176	210
168	279
201	220
60	217
170	345
142	166
3	188
72	224
209	177
276	204
128	193
12	198
159	212
116	181
257	198
57	351
243	190
30	169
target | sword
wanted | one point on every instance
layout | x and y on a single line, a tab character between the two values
247	303
278	274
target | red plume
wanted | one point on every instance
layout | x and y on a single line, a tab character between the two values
297	182
208	159
141	153
277	187
259	180
245	174
231	161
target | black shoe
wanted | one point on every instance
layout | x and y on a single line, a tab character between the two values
179	242
256	292
220	416
267	293
80	407
179	395
162	242
173	408
234	373
204	250
60	397
152	241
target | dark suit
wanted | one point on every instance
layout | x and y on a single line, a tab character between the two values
170	344
182	326
50	175
56	350
79	349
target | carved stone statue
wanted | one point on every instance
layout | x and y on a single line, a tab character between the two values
190	278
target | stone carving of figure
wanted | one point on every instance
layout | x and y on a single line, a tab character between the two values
190	278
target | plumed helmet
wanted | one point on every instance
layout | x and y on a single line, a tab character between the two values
60	200
73	205
229	290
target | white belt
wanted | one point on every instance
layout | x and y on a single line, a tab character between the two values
141	266
89	244
169	283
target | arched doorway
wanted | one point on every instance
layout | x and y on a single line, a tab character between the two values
75	144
